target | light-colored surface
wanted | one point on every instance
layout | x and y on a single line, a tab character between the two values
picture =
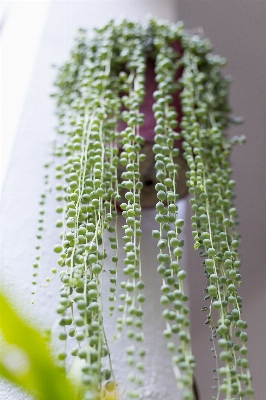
22	24
24	182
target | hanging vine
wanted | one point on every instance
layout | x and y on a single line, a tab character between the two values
100	93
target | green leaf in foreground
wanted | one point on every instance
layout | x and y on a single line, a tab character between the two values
34	369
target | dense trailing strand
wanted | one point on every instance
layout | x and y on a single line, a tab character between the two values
207	152
100	90
173	295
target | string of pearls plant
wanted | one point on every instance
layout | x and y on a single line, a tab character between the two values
102	84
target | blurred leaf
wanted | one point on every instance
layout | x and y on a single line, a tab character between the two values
37	372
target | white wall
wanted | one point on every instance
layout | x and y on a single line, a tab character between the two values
24	182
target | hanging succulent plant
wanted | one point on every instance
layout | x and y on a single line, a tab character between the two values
129	94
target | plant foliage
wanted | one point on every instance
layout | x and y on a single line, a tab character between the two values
100	93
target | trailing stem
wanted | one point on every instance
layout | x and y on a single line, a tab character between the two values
100	89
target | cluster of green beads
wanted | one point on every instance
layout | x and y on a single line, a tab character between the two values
133	79
41	223
207	151
89	120
170	245
102	85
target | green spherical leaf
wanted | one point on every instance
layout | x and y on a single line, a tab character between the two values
58	248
